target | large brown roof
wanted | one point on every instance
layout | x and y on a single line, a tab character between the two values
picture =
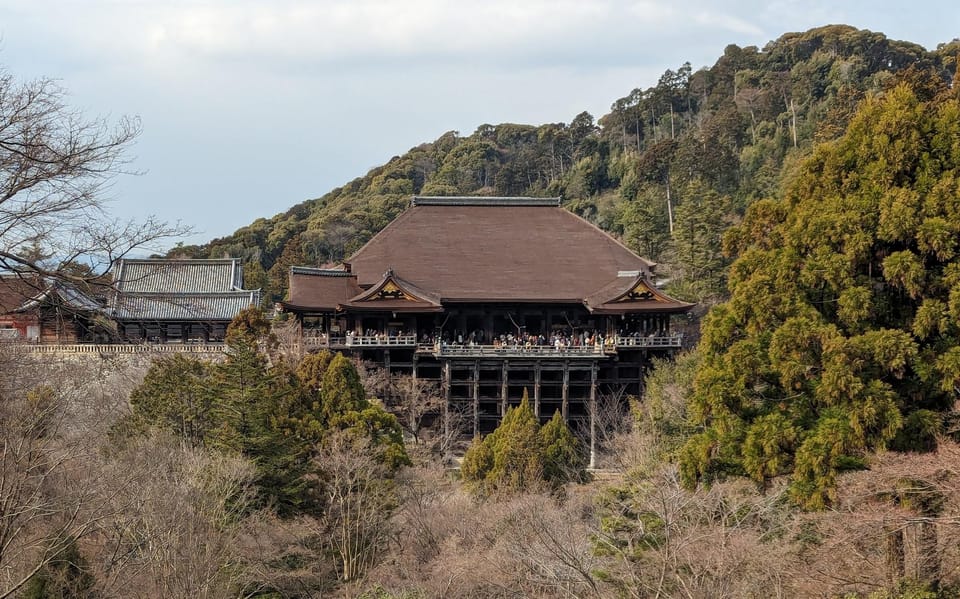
495	249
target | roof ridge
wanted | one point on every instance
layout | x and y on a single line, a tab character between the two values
483	201
320	272
179	260
185	293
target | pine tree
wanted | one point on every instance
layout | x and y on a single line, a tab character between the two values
252	406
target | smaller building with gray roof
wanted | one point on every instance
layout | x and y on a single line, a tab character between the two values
178	300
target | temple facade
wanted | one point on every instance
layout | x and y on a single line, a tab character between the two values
490	297
170	301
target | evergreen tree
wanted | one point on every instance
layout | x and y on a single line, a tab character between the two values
252	404
520	455
564	457
175	396
477	461
344	406
844	309
340	389
517	450
698	266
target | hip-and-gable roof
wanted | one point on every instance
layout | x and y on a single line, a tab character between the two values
495	249
191	290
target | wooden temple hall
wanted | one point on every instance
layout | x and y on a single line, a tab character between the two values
492	296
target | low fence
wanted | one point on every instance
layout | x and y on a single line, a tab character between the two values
374	341
140	348
510	351
629	341
320	341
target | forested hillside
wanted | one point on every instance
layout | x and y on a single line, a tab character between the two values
667	169
807	447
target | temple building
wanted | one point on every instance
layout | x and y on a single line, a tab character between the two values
34	309
170	301
491	296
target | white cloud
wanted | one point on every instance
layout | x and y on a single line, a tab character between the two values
258	104
373	32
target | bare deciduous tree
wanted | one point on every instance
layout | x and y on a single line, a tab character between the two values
174	528
47	499
55	166
611	421
359	496
375	380
412	400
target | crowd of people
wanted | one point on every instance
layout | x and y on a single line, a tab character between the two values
560	339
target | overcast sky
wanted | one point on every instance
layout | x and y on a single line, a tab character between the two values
249	107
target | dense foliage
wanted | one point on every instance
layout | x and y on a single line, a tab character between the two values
278	416
841	334
667	169
521	455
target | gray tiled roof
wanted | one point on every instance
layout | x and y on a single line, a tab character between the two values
198	306
197	290
70	296
179	276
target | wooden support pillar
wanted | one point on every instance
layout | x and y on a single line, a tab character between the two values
895	562
386	366
504	379
476	398
415	364
565	392
445	384
536	389
593	416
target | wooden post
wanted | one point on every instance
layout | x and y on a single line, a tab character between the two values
536	389
565	392
476	398
446	397
593	416
504	375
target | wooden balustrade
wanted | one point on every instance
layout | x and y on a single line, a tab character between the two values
124	348
511	351
375	341
628	341
319	341
381	341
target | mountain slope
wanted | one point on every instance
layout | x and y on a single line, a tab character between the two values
668	168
